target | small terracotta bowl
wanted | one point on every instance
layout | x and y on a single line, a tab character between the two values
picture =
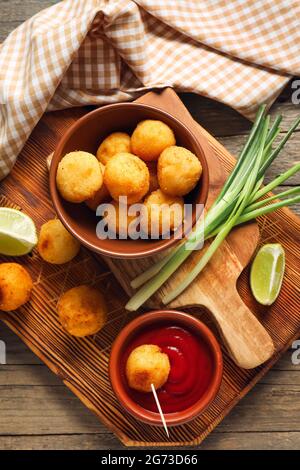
118	379
86	134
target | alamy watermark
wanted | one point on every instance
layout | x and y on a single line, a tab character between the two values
157	221
2	352
296	93
296	353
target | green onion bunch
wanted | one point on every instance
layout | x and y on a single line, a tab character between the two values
238	202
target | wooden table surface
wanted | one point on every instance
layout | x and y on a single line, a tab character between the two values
38	412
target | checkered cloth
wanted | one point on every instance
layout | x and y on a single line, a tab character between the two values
78	52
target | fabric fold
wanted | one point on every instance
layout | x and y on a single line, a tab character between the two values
241	53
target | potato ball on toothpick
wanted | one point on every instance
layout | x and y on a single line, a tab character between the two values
147	365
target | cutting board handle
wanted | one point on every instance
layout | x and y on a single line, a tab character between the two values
247	341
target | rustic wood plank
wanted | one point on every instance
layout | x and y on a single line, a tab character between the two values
14	12
27	375
16	351
37	410
221	121
249	441
216	441
18	10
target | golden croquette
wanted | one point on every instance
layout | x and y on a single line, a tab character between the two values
82	311
147	365
117	142
126	175
163	213
78	176
15	286
102	195
118	220
150	138
56	245
178	171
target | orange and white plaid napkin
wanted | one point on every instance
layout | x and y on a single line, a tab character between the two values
78	52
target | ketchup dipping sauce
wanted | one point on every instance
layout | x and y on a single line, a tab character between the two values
195	365
191	368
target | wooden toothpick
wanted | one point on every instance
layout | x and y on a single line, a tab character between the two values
159	409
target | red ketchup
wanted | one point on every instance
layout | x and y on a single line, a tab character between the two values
191	368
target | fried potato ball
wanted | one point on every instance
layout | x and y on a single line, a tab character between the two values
78	176
56	245
102	195
152	167
150	138
118	221
82	311
126	175
163	213
178	171
147	365
15	286
117	142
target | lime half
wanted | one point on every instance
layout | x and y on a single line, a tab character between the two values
17	232
267	272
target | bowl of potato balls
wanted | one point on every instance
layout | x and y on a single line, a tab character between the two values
122	177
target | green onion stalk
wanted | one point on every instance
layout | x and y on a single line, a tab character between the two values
238	202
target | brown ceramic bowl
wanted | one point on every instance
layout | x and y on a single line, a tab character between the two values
86	134
118	379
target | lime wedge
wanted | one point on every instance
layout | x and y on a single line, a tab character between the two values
267	272
17	232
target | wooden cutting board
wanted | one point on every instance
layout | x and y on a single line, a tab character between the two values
82	363
215	289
